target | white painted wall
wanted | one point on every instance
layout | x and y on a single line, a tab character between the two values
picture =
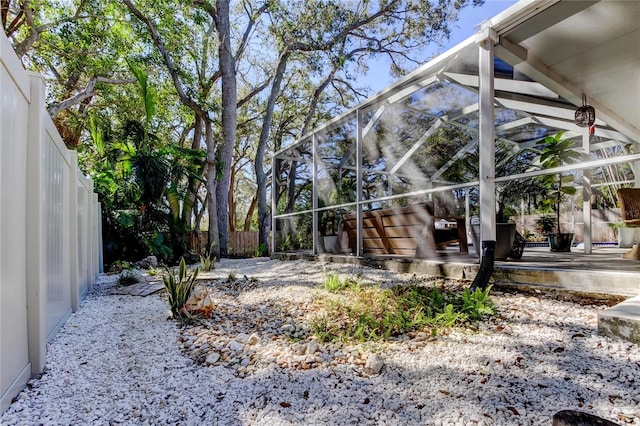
49	227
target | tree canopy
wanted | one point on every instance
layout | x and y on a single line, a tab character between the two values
174	106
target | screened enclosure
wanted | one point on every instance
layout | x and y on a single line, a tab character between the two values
460	140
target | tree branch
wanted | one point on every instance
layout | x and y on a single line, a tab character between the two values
88	92
167	59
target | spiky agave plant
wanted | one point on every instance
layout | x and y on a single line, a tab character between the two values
207	261
179	288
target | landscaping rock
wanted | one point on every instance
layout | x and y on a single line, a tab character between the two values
148	262
374	364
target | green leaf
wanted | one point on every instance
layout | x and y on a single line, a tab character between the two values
173	197
148	94
125	218
96	136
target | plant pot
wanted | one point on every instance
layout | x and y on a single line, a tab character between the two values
626	237
560	242
505	234
329	244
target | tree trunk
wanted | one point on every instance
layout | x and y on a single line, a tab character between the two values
229	120
261	177
232	203
191	196
213	235
252	208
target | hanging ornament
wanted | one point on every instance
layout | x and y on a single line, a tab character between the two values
586	114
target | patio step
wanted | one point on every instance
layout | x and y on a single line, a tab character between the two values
621	321
620	283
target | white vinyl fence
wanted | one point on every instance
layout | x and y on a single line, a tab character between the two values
50	243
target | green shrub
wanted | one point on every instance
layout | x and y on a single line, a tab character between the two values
179	288
120	265
373	313
127	278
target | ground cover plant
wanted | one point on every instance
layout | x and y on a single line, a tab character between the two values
127	278
370	313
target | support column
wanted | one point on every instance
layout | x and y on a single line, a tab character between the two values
467	211
635	166
314	151
487	137
522	210
359	161
274	200
586	192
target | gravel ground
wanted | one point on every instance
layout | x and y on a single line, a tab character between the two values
118	360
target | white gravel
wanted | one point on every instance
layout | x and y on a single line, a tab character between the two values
118	360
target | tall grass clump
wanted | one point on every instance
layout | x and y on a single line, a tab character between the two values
375	313
207	261
333	282
179	288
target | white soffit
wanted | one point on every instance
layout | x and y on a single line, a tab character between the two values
579	47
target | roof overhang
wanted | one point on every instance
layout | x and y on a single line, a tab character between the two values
578	48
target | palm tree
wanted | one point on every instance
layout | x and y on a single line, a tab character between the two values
557	152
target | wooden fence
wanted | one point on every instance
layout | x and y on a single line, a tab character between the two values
572	222
241	243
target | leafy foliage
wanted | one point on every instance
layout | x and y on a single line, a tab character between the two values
558	152
546	223
142	179
127	278
208	261
179	288
91	53
333	282
373	313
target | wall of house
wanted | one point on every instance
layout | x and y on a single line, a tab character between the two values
49	227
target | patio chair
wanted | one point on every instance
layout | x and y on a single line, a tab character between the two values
630	211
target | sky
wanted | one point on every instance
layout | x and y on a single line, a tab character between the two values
378	77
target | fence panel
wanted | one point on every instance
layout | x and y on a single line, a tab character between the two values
48	243
82	193
243	243
572	222
15	368
49	227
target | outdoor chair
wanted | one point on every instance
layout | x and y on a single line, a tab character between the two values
630	212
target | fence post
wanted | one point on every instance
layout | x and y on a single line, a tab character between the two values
76	290
95	256
36	293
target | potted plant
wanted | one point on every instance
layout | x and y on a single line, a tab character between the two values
546	223
557	152
624	234
329	224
